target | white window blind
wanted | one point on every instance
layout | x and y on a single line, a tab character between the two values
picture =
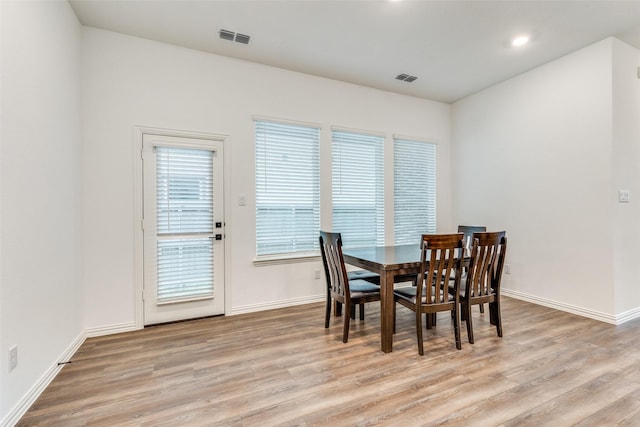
358	188
184	223
287	188
414	190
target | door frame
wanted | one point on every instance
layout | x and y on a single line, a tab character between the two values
138	203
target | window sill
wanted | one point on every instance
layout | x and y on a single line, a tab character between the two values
286	259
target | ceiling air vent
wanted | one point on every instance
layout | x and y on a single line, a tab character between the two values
227	35
237	37
242	38
406	78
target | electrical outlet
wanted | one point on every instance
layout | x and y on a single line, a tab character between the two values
316	274
507	269
13	358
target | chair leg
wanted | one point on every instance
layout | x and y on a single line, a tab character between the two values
495	317
456	328
353	311
361	311
327	314
337	309
430	320
466	313
347	320
481	308
419	332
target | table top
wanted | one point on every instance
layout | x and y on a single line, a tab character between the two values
386	257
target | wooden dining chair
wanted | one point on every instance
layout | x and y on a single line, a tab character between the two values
344	292
482	282
441	257
468	231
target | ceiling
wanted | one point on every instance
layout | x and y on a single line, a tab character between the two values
455	48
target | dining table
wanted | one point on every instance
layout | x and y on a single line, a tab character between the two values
389	262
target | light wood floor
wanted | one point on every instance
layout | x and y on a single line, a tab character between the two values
282	367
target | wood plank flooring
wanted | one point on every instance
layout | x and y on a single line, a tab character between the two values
282	368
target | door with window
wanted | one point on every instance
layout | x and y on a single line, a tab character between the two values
183	228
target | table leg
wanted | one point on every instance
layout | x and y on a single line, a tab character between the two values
386	311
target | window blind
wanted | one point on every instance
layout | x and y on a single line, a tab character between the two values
414	190
184	194
358	188
287	188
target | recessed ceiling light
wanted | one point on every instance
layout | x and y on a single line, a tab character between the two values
520	41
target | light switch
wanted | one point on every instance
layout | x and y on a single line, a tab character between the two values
242	200
624	196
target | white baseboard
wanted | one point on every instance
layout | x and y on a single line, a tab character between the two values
32	395
251	308
580	311
628	315
112	329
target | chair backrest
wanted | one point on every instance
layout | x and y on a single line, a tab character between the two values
334	268
487	261
468	231
441	255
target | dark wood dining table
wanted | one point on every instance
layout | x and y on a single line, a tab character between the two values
389	262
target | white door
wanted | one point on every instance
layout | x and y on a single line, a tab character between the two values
183	228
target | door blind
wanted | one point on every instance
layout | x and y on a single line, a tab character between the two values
414	190
184	223
184	190
358	188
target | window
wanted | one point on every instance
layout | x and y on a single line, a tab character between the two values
414	190
357	188
287	188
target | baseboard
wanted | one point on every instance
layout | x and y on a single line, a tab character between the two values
32	395
580	311
251	308
111	329
628	315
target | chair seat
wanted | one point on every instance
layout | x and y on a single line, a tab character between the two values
362	286
410	293
364	275
463	288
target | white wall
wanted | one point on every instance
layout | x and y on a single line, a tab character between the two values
130	82
534	156
40	309
626	168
